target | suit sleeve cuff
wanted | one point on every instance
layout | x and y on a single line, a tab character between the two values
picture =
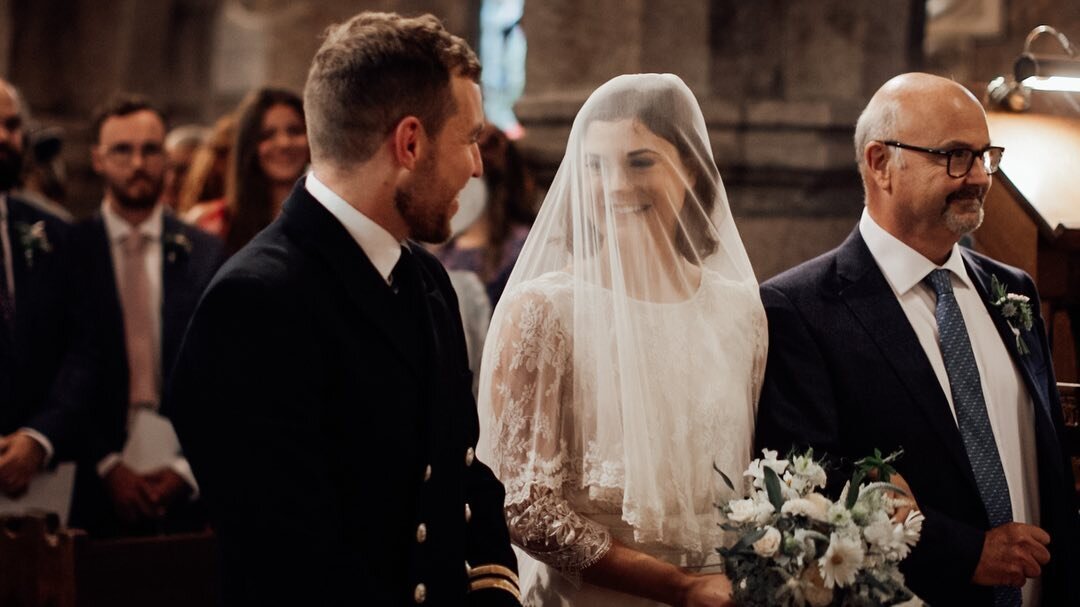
107	463
494	577
42	440
181	466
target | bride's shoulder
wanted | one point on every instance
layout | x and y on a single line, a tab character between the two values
719	285
552	286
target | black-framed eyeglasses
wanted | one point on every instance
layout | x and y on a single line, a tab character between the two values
124	153
960	160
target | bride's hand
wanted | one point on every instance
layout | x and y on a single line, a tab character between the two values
713	590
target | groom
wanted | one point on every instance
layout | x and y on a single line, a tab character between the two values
893	340
323	394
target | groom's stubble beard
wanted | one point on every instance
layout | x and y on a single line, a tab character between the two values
419	201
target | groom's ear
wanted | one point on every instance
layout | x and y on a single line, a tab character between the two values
407	142
879	169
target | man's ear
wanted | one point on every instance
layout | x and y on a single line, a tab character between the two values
879	169
407	142
97	158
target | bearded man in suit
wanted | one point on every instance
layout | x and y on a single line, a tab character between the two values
323	392
38	418
898	339
140	272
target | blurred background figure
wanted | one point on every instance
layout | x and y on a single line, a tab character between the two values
495	214
181	144
202	192
269	154
44	176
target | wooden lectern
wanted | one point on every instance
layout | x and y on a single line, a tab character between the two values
1033	218
1033	222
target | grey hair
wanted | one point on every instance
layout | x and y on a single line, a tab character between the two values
878	123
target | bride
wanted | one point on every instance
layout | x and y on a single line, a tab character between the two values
624	360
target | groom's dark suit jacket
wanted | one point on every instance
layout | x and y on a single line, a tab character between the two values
311	401
846	374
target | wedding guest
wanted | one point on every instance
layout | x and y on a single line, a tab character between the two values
898	339
181	144
201	200
140	273
269	154
38	422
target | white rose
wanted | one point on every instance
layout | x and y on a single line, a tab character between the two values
769	543
805	507
742	510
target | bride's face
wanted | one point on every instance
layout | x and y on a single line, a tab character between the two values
636	175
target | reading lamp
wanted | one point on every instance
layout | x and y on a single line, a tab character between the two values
1037	72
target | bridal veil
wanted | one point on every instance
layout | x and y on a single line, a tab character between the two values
626	357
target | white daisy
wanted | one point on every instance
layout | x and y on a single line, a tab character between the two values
842	561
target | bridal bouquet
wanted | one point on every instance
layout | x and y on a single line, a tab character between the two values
795	547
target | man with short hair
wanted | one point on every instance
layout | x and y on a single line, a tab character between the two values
323	392
37	422
897	339
141	272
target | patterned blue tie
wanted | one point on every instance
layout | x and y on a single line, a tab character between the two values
971	414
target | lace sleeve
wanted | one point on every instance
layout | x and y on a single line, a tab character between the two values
761	348
527	380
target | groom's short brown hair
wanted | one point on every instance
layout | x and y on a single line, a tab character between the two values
372	71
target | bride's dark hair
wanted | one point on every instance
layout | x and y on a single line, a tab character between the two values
662	111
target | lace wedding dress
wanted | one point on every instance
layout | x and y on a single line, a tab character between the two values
565	501
625	358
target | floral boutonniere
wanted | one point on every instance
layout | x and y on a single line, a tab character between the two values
1015	309
176	245
34	239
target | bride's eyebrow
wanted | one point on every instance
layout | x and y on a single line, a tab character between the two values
641	152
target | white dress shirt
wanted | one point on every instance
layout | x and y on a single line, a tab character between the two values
380	246
1008	404
117	229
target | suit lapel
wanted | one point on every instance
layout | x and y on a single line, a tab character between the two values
104	281
867	294
316	229
173	289
1023	362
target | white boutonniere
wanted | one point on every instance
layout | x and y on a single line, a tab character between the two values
34	239
1015	309
176	245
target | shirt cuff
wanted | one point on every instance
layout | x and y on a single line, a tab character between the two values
181	466
42	440
107	463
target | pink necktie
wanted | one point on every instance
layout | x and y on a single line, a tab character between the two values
138	322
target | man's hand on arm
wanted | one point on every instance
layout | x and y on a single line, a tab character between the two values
1012	553
21	457
131	494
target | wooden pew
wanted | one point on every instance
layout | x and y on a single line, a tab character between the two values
45	565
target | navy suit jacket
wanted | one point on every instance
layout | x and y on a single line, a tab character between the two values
33	389
846	374
327	418
186	270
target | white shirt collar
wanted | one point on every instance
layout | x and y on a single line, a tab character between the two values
380	246
903	266
118	228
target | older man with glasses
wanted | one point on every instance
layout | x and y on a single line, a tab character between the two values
900	338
